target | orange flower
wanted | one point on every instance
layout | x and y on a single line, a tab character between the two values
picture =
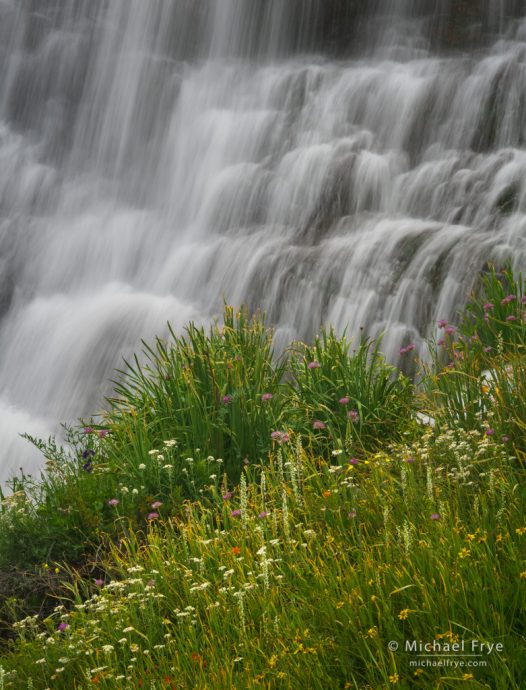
236	550
326	494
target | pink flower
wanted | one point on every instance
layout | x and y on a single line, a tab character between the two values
113	502
279	436
407	348
318	424
313	365
353	461
353	415
263	514
62	626
156	504
88	430
228	495
508	299
351	514
441	341
490	432
410	459
103	433
227	399
152	516
235	513
488	306
435	516
344	400
266	396
450	330
442	323
99	582
511	318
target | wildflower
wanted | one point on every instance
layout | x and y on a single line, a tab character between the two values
88	466
488	348
410	459
88	430
353	415
113	502
520	531
435	516
353	461
326	493
523	575
511	318
156	504
235	513
142	466
337	452
488	306
464	553
263	514
266	396
351	514
62	626
228	495
227	399
152	516
279	436
467	676
99	582
103	433
344	400
313	365
236	550
441	342
318	424
450	330
505	439
508	299
407	348
394	679
490	432
404	614
442	323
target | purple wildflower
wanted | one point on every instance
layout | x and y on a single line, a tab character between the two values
227	399
505	439
228	495
450	330
441	342
99	582
353	415
62	626
442	323
263	514
279	436
344	400
353	461
313	365
508	299
113	502
318	424
488	306
511	318
103	433
156	504
88	430
407	348
266	396
435	516
152	516
235	513
490	432
410	459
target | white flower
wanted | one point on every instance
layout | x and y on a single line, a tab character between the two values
142	466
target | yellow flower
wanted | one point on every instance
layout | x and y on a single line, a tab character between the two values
282	674
273	660
419	672
523	575
521	530
340	604
372	632
394	679
464	553
374	598
468	676
404	614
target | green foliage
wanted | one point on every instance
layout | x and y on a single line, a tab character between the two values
360	400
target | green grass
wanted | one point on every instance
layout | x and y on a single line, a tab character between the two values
242	521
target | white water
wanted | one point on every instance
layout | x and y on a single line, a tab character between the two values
157	156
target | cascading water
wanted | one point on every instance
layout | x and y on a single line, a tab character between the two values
347	162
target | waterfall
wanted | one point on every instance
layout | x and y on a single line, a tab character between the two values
332	161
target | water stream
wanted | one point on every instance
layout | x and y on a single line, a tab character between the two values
333	161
